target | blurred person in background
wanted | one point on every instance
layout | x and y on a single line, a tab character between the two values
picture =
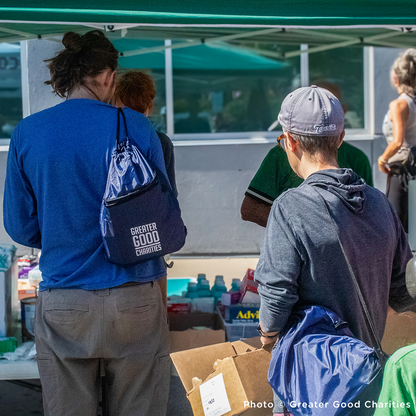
398	394
93	318
399	127
275	175
136	90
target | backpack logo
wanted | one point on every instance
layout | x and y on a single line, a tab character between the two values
146	239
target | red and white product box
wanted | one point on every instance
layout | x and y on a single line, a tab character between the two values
248	283
229	299
178	307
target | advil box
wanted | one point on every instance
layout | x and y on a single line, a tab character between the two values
242	313
226	379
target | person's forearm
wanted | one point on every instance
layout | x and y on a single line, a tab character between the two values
391	150
254	211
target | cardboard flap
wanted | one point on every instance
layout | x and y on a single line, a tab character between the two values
199	362
233	388
252	369
247	345
195	338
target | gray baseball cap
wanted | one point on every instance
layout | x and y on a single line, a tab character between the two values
312	111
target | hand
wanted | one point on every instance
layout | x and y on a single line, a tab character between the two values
267	341
382	166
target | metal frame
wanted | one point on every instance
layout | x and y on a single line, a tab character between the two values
304	67
169	89
345	43
303	52
227	138
369	105
199	42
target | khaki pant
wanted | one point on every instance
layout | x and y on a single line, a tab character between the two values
122	332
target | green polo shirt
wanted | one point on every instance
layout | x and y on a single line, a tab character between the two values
398	395
275	175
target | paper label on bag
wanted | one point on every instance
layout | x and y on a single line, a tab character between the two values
214	397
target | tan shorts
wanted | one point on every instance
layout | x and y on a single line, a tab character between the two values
121	332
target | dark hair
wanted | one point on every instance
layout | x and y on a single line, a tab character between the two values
84	56
136	90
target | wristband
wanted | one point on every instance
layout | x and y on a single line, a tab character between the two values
382	161
260	331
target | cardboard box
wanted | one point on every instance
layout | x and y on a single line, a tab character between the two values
25	290
240	366
193	330
400	331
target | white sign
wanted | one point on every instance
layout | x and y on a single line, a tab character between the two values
214	397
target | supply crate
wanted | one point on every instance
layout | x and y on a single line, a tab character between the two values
235	332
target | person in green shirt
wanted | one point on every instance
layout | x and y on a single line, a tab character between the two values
398	394
275	175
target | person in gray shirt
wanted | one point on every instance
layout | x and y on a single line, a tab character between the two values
301	262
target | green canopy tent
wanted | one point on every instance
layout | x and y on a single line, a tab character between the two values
322	24
208	57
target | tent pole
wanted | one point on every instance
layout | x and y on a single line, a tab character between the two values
199	42
263	52
16	32
342	44
331	36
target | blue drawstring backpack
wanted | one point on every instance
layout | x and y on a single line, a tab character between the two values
318	362
140	216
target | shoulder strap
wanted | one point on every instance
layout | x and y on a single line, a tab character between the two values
381	354
120	111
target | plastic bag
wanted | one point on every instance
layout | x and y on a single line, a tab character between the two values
128	172
27	351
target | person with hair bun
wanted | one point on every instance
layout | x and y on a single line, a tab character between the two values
399	127
93	318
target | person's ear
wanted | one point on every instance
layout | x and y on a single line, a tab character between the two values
341	138
291	143
110	77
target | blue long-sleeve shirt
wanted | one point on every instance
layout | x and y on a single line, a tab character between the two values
56	175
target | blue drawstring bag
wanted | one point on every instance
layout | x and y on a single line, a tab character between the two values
318	368
140	216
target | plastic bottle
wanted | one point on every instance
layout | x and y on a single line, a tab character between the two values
219	280
192	291
235	285
202	276
219	290
203	289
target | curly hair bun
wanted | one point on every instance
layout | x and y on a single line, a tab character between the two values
405	68
72	42
84	56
